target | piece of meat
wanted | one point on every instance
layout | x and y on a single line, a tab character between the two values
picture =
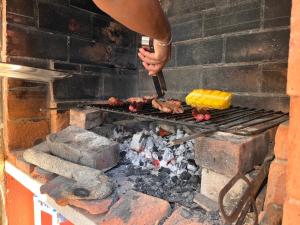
148	99
135	100
169	106
136	106
201	114
113	101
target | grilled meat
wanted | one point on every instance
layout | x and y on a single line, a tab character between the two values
201	114
137	103
113	101
169	106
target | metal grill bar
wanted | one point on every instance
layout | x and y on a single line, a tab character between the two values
237	120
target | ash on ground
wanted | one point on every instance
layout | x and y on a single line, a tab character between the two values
150	166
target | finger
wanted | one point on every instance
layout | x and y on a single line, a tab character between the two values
154	69
147	60
146	66
147	54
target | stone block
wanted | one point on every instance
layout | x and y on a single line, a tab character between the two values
66	20
138	209
277	13
258	46
229	154
85	148
86	118
35	44
232	19
199	52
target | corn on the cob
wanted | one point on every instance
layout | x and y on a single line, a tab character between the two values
211	99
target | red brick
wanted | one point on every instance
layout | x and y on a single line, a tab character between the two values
21	163
291	212
293	176
26	104
59	121
94	206
293	87
276	189
85	118
229	154
41	175
281	141
135	208
24	134
177	218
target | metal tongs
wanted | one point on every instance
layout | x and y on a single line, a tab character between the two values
158	79
247	201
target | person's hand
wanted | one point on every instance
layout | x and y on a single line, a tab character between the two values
155	61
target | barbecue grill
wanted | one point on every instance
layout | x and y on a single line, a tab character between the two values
235	120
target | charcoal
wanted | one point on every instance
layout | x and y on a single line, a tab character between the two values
185	176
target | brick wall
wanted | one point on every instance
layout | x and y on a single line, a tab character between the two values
72	36
233	45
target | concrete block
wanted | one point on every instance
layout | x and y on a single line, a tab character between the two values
84	147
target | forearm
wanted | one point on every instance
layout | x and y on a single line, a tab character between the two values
143	16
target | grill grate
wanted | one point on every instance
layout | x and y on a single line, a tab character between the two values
236	120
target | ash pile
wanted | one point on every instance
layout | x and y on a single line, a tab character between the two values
157	169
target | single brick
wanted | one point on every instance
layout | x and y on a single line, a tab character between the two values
277	13
281	141
28	101
242	78
232	19
66	20
291	212
35	44
276	190
22	7
274	77
24	134
135	208
186	27
178	218
229	154
86	118
258	46
41	175
199	52
21	163
94	207
59	120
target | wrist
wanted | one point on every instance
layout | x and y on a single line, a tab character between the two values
165	41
